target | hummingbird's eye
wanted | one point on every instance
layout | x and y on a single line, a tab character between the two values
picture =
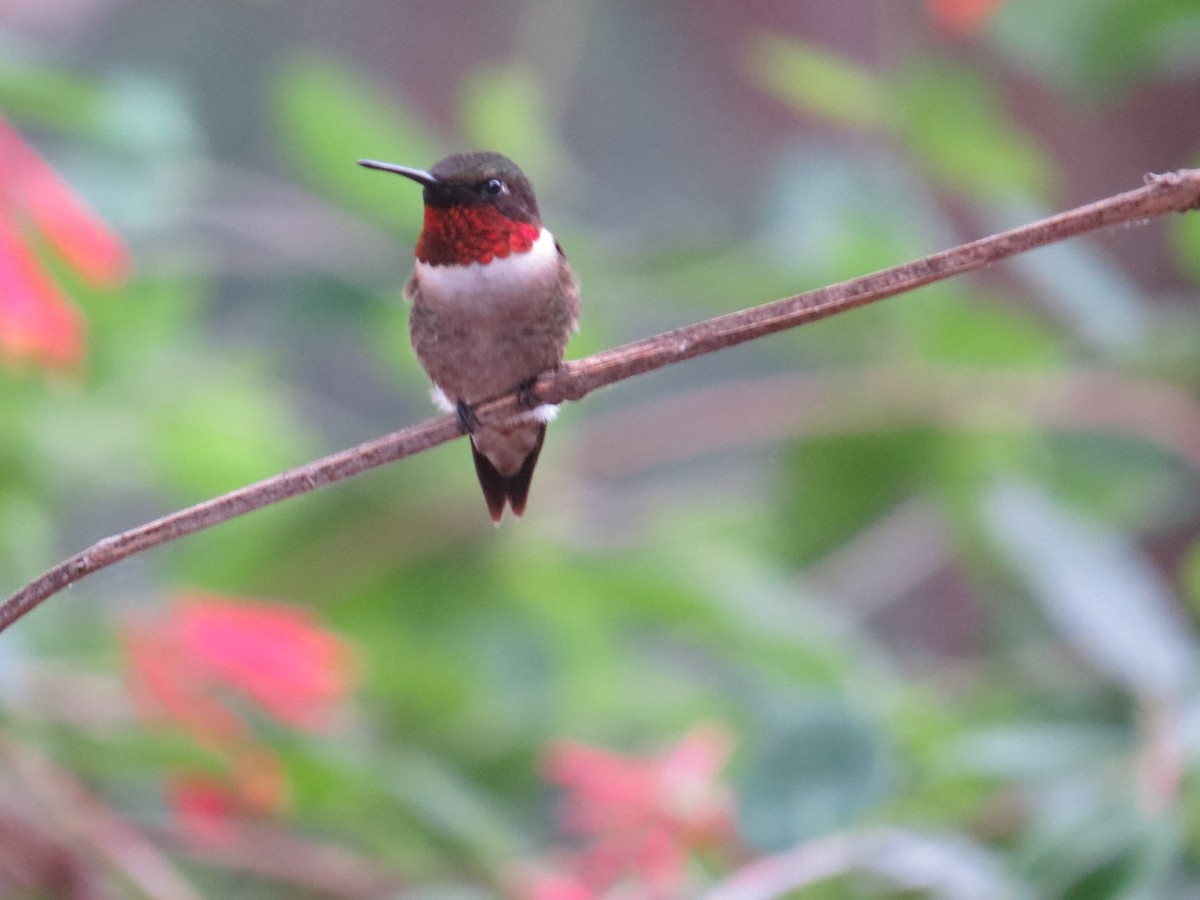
493	187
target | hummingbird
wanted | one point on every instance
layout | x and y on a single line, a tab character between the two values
494	302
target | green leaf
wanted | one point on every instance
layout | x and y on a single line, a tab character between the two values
954	124
834	212
225	429
1031	750
1184	234
1190	577
816	767
971	331
1131	38
503	109
26	534
1094	47
840	484
949	117
1105	597
814	81
329	118
48	95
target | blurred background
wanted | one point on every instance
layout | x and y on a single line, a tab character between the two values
903	603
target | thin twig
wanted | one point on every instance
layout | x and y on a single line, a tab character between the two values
1173	192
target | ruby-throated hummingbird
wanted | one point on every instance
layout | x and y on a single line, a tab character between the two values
493	304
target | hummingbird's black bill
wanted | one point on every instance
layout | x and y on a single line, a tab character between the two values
418	175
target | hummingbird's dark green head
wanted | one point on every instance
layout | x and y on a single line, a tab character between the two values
478	206
477	178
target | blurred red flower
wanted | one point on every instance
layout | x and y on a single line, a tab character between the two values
965	17
275	655
550	886
37	322
642	816
188	668
204	807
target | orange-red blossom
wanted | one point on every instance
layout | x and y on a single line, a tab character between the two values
38	323
195	669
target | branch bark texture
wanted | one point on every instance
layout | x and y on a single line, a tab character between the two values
1172	192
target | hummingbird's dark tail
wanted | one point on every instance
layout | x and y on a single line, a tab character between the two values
511	489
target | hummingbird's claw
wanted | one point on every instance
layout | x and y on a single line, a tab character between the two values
467	423
527	397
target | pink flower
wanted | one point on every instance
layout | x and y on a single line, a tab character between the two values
675	789
37	323
204	807
539	885
186	666
642	817
205	804
36	320
276	656
964	17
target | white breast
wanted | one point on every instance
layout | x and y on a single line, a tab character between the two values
468	285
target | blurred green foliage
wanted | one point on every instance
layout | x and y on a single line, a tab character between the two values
967	618
327	115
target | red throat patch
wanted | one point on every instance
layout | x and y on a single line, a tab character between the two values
458	235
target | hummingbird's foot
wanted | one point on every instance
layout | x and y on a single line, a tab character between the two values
465	413
527	397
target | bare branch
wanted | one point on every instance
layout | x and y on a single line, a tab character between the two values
1172	192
